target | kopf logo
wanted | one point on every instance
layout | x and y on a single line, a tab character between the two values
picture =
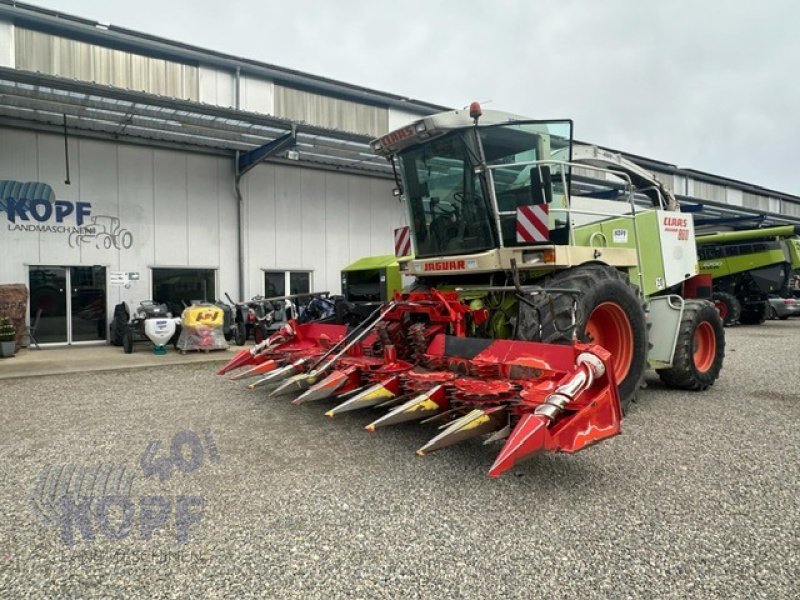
36	201
43	210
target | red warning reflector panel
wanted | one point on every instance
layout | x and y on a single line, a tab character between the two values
533	223
402	241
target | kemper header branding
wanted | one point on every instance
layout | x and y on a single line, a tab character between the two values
32	207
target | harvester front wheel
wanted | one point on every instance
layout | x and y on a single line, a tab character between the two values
608	312
729	307
699	350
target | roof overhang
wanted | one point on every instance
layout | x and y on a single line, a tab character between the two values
45	102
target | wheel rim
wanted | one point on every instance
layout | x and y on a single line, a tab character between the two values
705	346
722	308
608	326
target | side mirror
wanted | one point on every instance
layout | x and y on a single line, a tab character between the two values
541	185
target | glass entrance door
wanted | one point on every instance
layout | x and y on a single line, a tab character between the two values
72	301
87	306
49	287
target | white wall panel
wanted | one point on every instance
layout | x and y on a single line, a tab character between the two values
337	232
360	223
18	161
136	212
97	173
203	210
288	221
170	208
259	189
398	118
734	197
216	87
312	195
257	95
385	208
7	44
54	248
228	260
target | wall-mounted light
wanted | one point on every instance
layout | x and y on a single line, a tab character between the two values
292	155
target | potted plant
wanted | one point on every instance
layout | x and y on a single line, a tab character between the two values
8	338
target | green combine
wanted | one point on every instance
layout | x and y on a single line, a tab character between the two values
748	266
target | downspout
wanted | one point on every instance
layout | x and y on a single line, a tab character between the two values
239	199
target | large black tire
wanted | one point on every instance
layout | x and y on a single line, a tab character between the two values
772	314
700	348
754	314
729	307
609	312
119	323
127	341
260	333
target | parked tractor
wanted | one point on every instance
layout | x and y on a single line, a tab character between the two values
535	312
747	267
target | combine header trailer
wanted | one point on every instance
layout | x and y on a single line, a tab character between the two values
535	312
748	266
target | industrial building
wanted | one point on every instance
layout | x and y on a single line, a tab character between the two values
133	167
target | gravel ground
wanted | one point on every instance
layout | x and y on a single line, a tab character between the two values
699	498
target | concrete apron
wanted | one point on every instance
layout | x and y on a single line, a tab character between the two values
79	359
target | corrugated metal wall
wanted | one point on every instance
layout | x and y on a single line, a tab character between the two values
53	55
330	112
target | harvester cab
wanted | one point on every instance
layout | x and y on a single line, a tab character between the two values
540	296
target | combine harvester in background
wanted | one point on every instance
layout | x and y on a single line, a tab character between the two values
535	312
747	266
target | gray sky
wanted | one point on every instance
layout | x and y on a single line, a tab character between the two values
712	85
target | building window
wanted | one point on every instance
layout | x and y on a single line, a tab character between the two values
286	283
179	287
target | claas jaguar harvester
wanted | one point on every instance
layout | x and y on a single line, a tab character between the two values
538	303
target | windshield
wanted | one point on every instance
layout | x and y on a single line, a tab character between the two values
506	145
449	212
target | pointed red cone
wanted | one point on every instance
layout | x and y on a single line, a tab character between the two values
243	358
328	386
476	422
264	367
419	407
375	394
528	437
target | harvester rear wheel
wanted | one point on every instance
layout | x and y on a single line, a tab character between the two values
754	314
729	307
699	350
609	312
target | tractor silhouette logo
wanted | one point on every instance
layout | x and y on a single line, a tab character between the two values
104	231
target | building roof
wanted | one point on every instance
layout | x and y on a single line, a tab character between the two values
134	41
